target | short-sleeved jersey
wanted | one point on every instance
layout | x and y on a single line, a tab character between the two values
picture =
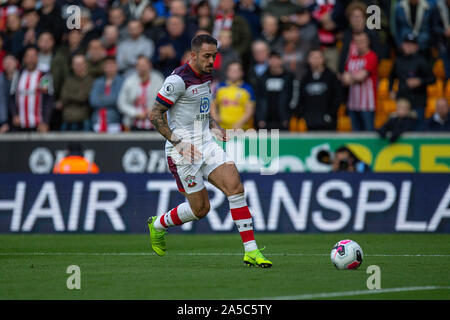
187	94
231	100
362	96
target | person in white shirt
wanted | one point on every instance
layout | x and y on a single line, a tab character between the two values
138	95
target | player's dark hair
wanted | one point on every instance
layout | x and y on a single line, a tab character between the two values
199	40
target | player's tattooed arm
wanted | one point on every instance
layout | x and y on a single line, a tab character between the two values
159	120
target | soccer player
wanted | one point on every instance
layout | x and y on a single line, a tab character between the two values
181	115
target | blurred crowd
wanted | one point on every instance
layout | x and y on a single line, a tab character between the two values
298	65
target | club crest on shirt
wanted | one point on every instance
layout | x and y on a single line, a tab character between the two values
190	180
169	88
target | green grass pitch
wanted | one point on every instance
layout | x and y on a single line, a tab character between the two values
210	267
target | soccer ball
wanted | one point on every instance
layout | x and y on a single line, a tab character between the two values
346	254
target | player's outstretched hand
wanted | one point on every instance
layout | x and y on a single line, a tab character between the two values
188	151
220	133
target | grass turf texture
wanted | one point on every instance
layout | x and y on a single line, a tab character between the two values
189	272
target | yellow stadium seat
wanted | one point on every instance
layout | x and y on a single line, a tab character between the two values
384	68
438	69
293	124
380	119
388	106
383	89
436	89
344	124
301	125
341	110
430	108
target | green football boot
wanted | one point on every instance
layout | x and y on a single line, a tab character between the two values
256	258
157	237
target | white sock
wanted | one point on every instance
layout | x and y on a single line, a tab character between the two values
175	217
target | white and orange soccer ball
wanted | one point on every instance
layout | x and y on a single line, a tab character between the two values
346	254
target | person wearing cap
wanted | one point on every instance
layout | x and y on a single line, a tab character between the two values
414	16
413	74
74	162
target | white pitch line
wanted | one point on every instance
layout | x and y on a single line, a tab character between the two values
352	293
197	254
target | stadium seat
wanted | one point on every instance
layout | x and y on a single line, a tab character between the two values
436	89
293	124
388	106
380	118
384	68
301	125
438	69
344	123
431	107
383	89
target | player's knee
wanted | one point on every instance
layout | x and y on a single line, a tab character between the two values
202	211
236	189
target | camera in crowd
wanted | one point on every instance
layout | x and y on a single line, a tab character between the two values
343	160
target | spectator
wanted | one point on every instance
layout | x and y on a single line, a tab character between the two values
413	74
9	75
62	60
270	30
138	94
234	102
13	36
2	53
134	46
259	62
281	9
443	32
225	55
414	17
153	26
87	27
178	8
440	120
323	14
308	29
274	95
226	19
103	98
251	12
28	35
46	45
172	47
76	111
294	50
94	55
32	96
51	20
74	162
346	161
320	94
110	40
98	16
356	13
162	8
361	77
117	18
399	122
203	15
133	9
